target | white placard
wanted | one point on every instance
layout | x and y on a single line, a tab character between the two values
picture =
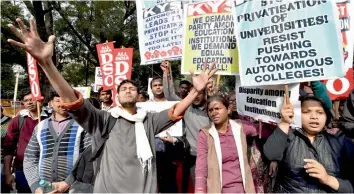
265	102
85	91
98	79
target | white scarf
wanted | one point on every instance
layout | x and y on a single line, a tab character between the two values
236	131
143	148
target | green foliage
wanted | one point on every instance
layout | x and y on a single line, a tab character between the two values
78	27
76	73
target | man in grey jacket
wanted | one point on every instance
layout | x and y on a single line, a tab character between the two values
128	159
194	119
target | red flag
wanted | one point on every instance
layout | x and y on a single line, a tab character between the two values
341	87
33	77
123	62
105	56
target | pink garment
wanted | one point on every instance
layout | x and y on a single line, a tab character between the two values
231	172
251	129
59	126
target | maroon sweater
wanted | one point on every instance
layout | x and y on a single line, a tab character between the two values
18	140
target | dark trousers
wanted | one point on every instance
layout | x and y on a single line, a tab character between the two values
21	181
187	171
166	173
4	188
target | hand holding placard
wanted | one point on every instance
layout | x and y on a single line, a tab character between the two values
287	116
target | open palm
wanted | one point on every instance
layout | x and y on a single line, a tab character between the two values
200	81
31	42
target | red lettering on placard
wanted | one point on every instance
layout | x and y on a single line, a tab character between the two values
33	77
209	7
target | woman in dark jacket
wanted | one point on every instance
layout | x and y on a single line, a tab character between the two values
310	159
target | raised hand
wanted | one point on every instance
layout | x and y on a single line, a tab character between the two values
200	82
287	113
165	66
31	42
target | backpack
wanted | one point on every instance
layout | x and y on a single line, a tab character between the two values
84	170
98	151
21	120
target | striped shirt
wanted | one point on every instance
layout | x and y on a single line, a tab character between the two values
51	157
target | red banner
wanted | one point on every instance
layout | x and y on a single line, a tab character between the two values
123	62
105	56
116	65
33	77
341	87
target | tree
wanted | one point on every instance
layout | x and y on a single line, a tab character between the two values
78	27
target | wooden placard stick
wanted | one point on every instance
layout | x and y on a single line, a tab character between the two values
336	109
15	92
260	128
287	99
39	111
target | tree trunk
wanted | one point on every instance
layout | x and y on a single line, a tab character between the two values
44	19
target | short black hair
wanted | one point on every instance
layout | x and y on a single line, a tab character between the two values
52	95
185	82
108	91
154	79
314	98
126	81
145	94
25	93
94	102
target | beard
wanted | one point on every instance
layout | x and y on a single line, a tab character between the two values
161	95
128	104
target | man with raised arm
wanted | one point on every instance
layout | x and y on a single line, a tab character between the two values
127	163
196	117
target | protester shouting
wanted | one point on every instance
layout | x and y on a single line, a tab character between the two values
194	119
126	160
310	159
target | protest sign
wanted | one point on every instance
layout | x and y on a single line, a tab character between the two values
341	87
284	42
116	65
105	57
85	91
123	62
33	77
98	79
122	68
265	102
160	30
209	37
153	107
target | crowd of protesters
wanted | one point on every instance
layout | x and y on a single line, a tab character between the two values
86	146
